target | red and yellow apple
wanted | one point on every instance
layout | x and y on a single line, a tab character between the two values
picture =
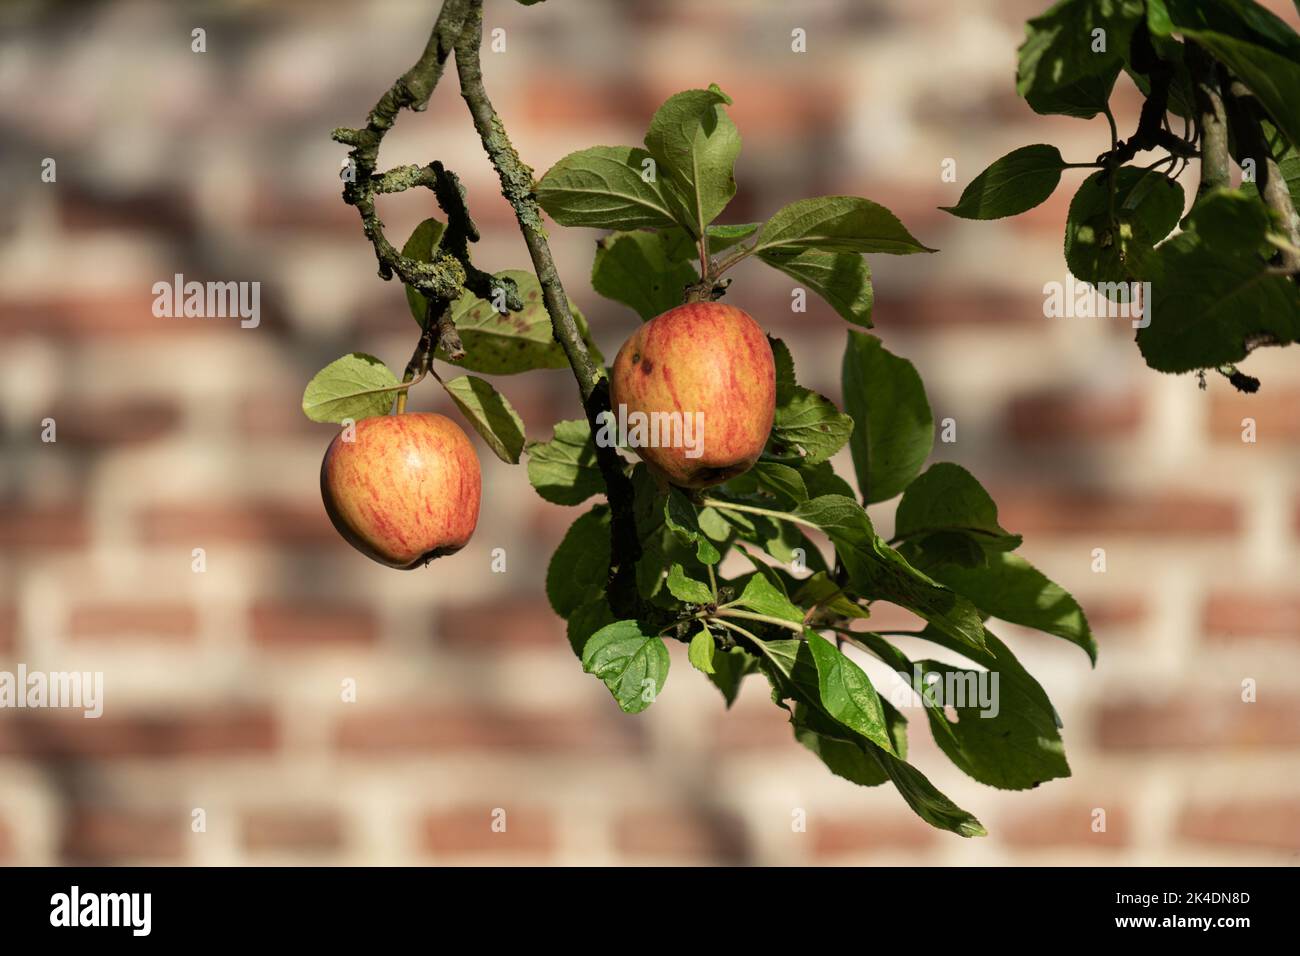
405	489
710	362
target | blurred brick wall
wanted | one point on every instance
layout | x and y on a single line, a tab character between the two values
223	688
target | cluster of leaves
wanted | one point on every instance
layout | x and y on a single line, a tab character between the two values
950	561
1217	287
496	341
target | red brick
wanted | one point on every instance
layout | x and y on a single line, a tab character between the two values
1237	614
299	829
891	617
99	835
1034	825
108	313
8	629
972	308
1276	410
491	625
775	108
152	211
752	728
1081	511
416	730
467	831
306	625
68	735
105	423
38	527
1055	415
692	834
278	415
1194	721
840	836
323	215
258	522
133	619
558	98
1267	824
1120	611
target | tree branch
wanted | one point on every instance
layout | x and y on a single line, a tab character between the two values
1211	118
1249	133
517	187
444	277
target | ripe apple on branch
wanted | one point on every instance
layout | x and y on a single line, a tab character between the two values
649	563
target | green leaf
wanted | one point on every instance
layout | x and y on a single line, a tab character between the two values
681	246
634	268
420	247
782	479
701	651
1059	71
822	480
1083	99
1289	167
948	502
819	590
846	692
1003	736
723	236
925	799
687	589
564	470
850	759
1016	183
1012	589
893	429
761	596
350	387
504	343
633	665
1253	43
784	363
1003	742
836	224
695	144
730	668
578	568
843	279
491	415
788	666
605	187
1211	292
1148	206
807	427
996	656
587	620
681	519
878	572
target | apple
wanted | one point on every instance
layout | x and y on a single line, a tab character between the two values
708	366
405	490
